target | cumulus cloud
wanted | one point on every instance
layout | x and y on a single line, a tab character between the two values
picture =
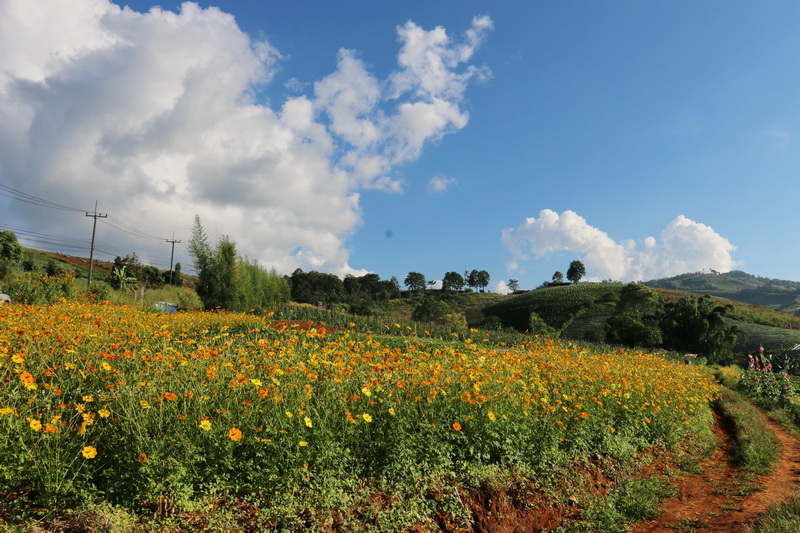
157	116
684	246
440	183
501	287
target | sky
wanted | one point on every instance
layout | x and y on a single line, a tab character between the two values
645	139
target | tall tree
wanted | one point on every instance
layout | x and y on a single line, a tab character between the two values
636	320
558	277
10	248
513	284
482	279
229	281
698	326
452	281
576	271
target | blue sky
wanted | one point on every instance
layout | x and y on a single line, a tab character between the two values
646	139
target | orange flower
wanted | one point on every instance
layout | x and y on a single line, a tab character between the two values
235	434
456	426
170	396
28	380
142	457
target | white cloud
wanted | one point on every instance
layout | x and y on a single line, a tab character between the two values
501	287
440	183
685	246
156	116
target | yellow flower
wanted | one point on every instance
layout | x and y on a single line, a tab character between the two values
366	417
35	424
303	443
89	452
7	411
205	424
104	413
308	422
88	399
256	382
392	411
106	366
289	414
491	416
235	434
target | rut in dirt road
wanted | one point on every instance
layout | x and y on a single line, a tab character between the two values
714	501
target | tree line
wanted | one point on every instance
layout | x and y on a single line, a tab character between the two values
642	318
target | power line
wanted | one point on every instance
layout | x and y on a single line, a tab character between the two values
122	226
35	200
62	243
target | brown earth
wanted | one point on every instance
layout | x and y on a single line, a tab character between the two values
713	501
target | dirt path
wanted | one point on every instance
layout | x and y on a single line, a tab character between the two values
712	501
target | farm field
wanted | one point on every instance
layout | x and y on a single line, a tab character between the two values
161	414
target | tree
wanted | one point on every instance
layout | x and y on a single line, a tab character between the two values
636	320
513	284
558	277
453	281
698	326
430	310
576	271
317	288
471	279
481	279
175	275
10	248
228	281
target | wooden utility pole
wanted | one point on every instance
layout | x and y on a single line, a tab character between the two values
171	256
95	216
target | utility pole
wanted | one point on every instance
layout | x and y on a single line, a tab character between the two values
171	256
95	216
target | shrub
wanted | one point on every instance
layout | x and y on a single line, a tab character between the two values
455	320
38	288
100	291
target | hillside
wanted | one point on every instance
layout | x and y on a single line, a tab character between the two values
576	309
739	286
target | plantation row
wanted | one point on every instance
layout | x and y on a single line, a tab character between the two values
143	408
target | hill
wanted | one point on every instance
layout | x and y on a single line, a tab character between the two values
739	286
576	310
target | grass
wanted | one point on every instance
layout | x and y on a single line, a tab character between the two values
757	447
781	518
634	500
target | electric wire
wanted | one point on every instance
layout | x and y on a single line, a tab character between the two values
35	200
76	244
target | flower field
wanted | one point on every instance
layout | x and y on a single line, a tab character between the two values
149	411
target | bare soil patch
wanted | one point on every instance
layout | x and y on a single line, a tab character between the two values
720	499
